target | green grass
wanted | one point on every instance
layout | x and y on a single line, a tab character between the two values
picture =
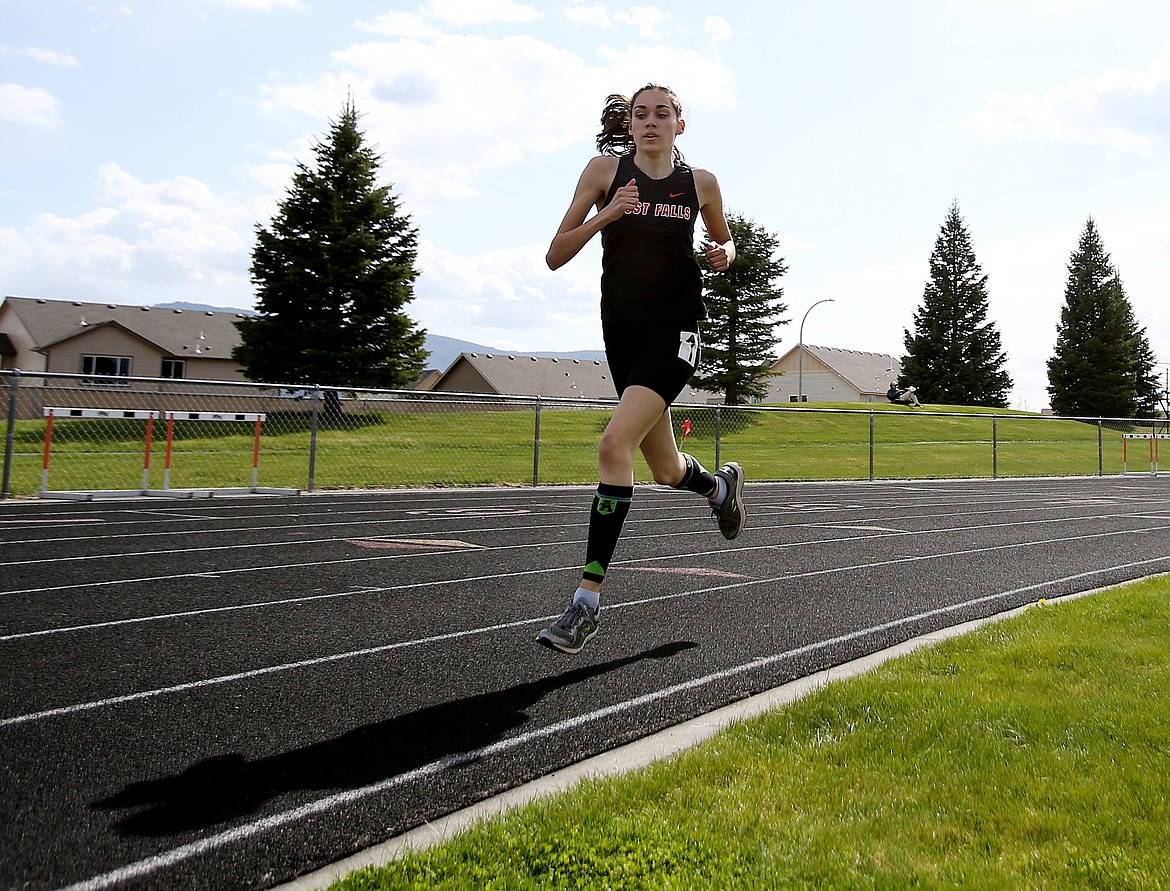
1033	753
462	448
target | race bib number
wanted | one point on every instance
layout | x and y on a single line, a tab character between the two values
688	347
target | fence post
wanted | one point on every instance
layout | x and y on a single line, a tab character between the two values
536	447
313	435
718	433
1100	447
994	446
872	413
9	436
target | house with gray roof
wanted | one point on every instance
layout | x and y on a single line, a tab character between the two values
558	377
831	374
112	340
506	374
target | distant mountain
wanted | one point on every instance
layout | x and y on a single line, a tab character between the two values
203	307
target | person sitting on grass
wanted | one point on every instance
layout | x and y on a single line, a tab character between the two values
900	396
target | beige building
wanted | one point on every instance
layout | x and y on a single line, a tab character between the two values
831	374
505	374
109	340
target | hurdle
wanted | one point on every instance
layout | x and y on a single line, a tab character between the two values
53	413
255	418
1153	439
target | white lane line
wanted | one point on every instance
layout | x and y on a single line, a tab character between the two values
249	675
70	522
857	528
80	707
781	507
311	522
947	530
264	604
434	544
151	865
630	565
693	571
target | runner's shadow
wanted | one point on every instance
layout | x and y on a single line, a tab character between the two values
449	734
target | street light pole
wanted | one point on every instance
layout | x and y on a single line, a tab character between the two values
800	351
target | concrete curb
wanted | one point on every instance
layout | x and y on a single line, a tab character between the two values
635	755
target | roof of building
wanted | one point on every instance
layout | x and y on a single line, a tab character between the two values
174	331
510	374
864	371
519	375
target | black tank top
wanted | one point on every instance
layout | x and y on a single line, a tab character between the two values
648	267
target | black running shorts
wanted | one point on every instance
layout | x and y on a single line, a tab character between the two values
661	357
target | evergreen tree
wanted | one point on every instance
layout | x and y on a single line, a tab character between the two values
743	306
332	275
955	355
1102	365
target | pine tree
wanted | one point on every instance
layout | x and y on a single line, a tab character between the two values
332	274
955	355
743	306
1102	365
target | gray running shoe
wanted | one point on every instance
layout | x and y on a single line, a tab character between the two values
570	632
730	512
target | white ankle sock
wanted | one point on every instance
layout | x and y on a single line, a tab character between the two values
720	490
591	599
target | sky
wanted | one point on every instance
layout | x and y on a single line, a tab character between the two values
141	143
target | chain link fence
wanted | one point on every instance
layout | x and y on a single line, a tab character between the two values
78	436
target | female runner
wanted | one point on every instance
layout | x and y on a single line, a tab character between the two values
647	202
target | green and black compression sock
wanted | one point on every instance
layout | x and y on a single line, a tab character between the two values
696	478
610	506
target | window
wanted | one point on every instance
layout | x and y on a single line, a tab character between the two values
176	368
107	366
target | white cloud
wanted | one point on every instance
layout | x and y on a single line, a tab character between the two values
410	25
698	79
442	110
181	196
507	299
142	234
649	20
80	245
30	106
591	14
258	5
55	58
717	28
431	20
1120	109
460	13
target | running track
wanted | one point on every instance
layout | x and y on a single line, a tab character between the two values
230	692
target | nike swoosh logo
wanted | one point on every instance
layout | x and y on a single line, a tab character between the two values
677	194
